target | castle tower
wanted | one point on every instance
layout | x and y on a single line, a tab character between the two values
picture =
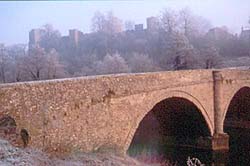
152	23
35	36
139	27
74	36
245	34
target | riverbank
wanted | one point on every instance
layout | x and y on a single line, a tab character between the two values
10	156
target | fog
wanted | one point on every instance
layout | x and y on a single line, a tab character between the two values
18	18
50	40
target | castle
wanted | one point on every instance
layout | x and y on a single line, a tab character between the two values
75	35
245	34
35	36
153	24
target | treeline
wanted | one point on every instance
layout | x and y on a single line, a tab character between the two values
180	40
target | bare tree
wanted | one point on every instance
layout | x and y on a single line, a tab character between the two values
186	58
169	20
112	64
51	38
16	53
173	45
187	21
39	65
98	22
106	23
113	23
141	63
4	61
54	68
211	57
192	25
202	25
34	63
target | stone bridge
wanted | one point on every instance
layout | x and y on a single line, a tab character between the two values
100	113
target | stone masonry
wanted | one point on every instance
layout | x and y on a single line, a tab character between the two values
102	113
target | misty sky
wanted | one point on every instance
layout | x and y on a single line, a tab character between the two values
18	18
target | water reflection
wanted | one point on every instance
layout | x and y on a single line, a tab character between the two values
238	155
178	156
209	158
239	146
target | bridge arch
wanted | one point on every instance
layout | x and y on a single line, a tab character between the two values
11	130
10	119
8	128
7	121
165	96
235	100
236	124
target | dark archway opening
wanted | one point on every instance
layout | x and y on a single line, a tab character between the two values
25	137
237	125
173	126
8	129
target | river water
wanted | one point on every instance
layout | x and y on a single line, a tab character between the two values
238	155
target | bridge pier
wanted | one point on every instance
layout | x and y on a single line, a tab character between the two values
218	113
215	143
220	140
